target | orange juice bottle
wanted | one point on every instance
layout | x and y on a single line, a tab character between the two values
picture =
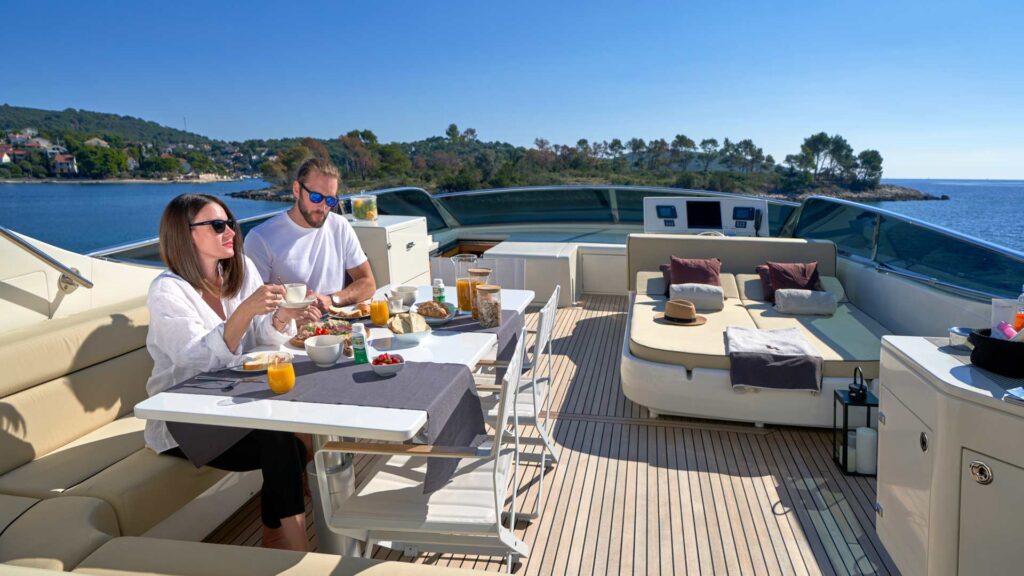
379	312
280	375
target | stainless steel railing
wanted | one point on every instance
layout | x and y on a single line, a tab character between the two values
70	278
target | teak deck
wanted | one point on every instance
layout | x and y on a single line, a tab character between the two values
634	495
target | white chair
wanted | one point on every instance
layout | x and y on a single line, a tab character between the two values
463	516
534	397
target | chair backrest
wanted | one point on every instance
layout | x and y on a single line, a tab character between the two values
509	389
547	321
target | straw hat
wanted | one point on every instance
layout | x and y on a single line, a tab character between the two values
681	313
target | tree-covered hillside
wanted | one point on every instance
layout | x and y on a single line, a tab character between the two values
55	123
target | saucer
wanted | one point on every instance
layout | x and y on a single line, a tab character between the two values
301	304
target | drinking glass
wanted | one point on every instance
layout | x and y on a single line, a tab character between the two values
379	311
281	374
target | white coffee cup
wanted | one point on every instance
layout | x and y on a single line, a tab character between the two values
294	292
408	294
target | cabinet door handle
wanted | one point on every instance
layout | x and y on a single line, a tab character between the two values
923	440
410	245
981	473
881	417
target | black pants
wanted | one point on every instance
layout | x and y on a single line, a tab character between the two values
282	459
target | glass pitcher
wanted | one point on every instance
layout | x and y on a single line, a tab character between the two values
463	263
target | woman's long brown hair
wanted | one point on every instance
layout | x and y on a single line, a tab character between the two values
178	251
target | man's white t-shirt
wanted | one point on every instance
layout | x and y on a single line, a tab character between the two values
285	252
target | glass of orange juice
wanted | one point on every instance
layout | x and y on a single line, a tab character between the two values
379	313
281	373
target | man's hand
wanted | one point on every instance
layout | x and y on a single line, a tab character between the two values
323	301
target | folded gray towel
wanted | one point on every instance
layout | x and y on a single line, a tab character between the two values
813	302
705	297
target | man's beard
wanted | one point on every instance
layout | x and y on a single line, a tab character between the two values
309	217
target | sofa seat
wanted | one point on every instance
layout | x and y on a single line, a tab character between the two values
692	347
56	472
845	340
146	488
31	356
151	556
57	534
12	507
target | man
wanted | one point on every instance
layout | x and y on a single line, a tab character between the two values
309	243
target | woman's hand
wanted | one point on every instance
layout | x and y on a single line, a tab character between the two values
264	300
301	316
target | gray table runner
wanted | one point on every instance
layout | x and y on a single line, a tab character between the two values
507	333
444	391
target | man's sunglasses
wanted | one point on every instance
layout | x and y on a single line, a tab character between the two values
316	197
217	225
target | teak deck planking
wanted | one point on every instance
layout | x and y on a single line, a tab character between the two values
635	495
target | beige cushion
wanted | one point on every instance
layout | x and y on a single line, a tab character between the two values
151	556
73	463
738	255
11	507
393	498
845	340
653	284
33	355
692	347
58	533
750	288
43	418
145	488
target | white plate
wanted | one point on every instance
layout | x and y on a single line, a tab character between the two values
264	356
350	309
301	304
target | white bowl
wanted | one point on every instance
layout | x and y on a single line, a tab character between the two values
325	350
388	369
412	337
408	294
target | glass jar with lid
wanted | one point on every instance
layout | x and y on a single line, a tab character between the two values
364	207
488	305
477	276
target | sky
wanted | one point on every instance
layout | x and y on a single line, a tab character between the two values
937	87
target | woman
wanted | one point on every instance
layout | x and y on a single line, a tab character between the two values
206	310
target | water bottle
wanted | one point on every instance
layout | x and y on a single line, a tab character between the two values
1018	320
359	344
438	290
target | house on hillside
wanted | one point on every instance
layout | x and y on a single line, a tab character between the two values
133	164
30	132
19	155
54	150
64	165
17	138
97	142
5	158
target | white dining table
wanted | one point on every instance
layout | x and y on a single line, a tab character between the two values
338	420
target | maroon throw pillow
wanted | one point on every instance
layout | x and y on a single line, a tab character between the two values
695	271
766	283
666	273
800	276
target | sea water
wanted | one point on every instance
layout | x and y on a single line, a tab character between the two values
87	217
986	209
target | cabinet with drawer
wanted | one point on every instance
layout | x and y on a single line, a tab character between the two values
398	248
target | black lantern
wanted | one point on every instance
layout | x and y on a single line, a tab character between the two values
866	400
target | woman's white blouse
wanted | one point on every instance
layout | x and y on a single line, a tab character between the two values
186	337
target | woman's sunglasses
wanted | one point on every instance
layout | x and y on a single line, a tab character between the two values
218	225
316	197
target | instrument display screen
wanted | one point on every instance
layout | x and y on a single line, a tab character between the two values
743	213
704	215
666	212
